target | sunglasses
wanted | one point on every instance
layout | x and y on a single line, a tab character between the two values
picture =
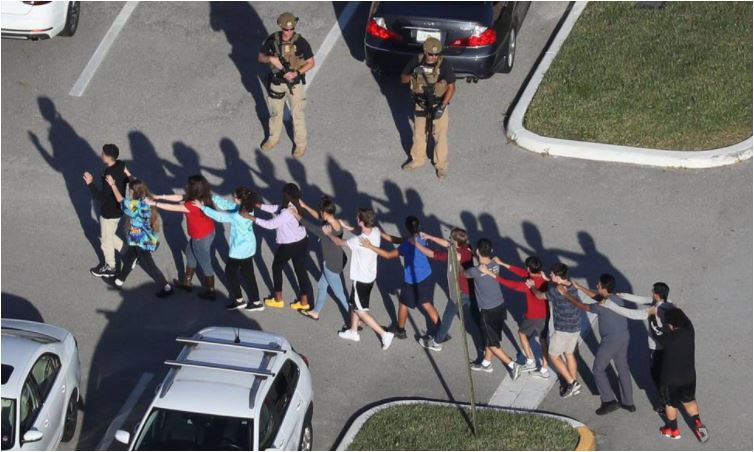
288	29
433	54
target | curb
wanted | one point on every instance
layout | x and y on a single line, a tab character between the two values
587	439
607	152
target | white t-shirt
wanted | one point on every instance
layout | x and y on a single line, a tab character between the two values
363	260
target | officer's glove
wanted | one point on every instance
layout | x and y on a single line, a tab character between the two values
439	111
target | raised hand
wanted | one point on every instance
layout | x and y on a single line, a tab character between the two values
109	179
88	178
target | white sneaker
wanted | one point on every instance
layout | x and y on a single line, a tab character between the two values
118	282
515	371
530	366
542	372
350	335
387	339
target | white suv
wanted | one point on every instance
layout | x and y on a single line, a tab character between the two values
230	389
40	374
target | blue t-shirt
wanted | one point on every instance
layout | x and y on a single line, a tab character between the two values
415	264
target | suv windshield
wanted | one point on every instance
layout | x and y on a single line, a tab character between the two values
178	430
9	423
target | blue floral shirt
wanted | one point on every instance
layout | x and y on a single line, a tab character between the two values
140	232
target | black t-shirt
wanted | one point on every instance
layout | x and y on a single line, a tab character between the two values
303	49
446	69
678	364
110	207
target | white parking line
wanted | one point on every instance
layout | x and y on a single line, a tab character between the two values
104	46
125	410
331	38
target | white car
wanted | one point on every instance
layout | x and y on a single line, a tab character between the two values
40	391
39	20
230	389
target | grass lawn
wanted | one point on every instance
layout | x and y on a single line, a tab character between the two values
434	427
677	78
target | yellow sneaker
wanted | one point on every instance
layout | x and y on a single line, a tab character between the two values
299	307
273	303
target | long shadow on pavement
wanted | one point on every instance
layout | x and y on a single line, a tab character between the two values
15	307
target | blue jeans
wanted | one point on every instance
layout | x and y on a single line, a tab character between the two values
472	323
332	280
198	251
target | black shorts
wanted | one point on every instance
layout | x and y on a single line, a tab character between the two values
413	295
359	298
532	327
492	325
678	394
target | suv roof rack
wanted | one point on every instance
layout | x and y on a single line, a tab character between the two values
223	367
266	348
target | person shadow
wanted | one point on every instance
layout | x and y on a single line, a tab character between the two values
71	155
16	307
132	349
590	263
245	32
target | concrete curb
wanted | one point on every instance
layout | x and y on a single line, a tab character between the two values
586	436
607	152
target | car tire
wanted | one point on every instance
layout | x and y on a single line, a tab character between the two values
71	19
71	417
307	433
506	65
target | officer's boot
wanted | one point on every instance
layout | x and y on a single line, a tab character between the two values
269	145
299	151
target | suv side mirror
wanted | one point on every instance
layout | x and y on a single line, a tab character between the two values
123	436
32	436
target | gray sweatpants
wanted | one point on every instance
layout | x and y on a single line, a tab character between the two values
618	352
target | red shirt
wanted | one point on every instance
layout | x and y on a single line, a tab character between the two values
198	225
466	262
535	308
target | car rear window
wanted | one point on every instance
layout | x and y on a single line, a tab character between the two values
6	372
469	11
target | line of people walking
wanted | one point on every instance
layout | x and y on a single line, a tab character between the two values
553	295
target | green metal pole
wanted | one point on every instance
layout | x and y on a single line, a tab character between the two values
453	272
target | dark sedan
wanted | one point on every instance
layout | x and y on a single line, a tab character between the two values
479	38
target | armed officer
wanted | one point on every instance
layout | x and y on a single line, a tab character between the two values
432	84
290	57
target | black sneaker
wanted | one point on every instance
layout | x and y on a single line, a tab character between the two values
164	293
346	327
102	271
254	306
629	408
606	408
235	304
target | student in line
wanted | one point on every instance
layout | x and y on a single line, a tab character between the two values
363	273
334	257
418	287
200	229
534	323
243	244
567	325
293	244
468	300
491	309
143	238
110	209
613	346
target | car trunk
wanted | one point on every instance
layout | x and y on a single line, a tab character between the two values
16	8
446	21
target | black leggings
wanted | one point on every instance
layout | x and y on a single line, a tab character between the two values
247	272
285	252
145	261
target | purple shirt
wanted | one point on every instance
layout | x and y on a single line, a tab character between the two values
286	226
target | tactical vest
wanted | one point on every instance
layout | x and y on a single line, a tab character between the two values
286	50
429	78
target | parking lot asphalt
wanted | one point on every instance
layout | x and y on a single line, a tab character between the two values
179	93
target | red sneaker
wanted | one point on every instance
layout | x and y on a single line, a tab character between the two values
700	431
672	433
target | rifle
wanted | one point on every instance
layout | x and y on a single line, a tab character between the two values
429	103
286	69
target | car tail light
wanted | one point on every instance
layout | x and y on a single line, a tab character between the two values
378	29
481	37
36	3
